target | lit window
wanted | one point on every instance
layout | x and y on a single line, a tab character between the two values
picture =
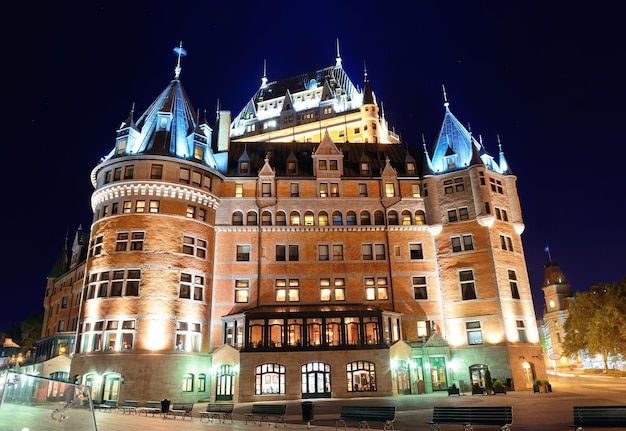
390	190
415	251
242	291
238	190
468	287
419	288
513	284
243	253
474	333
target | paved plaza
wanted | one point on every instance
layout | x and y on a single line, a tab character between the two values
531	411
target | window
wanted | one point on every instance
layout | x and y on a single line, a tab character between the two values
127	207
129	241
506	243
333	165
184	175
269	379
365	168
266	218
361	376
452	216
322	219
238	190
194	246
337	218
251	219
117	174
188	335
155	206
415	190
129	172
191	286
496	185
332	289
462	243
323	190
373	251
376	288
294	190
420	218
513	284
266	190
455	185
237	218
309	219
281	253
423	328
468	287
463	214
294	218
242	291
362	190
287	290
191	211
156	172
415	251
322	165
292	168
337	252
521	331
419	288
351	218
379	218
334	190
96	246
410	168
140	206
187	383
281	218
390	190
243	253
196	178
244	167
322	251
365	218
474	333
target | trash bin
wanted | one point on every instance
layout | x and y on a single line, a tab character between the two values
165	406
308	412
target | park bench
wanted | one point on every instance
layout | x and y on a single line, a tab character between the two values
181	409
128	406
363	415
153	407
108	405
501	416
218	411
264	412
599	417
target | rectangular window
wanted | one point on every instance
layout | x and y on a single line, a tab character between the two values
242	291
521	331
419	288
238	190
191	211
188	336
194	246
334	190
423	328
129	172
462	243
140	206
333	165
379	250
337	252
294	189
452	216
415	251
363	190
196	179
463	214
191	286
323	252
292	168
322	165
376	288
367	252
287	290
155	206
468	287
243	253
323	190
474	333
156	172
415	190
513	284
390	190
184	176
127	207
266	190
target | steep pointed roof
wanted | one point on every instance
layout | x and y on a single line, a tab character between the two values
454	141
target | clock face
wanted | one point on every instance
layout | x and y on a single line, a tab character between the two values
551	303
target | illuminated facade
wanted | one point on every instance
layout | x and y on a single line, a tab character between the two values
299	250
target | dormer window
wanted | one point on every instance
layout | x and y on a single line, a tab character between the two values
292	168
410	168
323	165
365	168
244	167
198	152
333	165
121	146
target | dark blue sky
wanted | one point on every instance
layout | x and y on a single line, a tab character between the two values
547	79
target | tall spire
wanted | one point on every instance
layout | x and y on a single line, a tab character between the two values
180	52
264	79
445	96
338	58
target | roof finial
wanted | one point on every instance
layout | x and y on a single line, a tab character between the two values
499	143
365	70
180	52
338	58
264	79
445	96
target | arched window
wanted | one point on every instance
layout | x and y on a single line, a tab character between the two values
315	380
266	218
361	376
237	218
276	332
187	383
337	218
309	219
224	383
420	218
351	218
406	218
269	379
281	218
365	218
202	382
322	218
392	217
294	332
379	218
314	331
251	220
294	218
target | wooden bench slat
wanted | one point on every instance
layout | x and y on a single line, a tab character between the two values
599	416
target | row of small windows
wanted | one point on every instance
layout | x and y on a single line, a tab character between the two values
143	206
336	218
134	241
185	176
325	190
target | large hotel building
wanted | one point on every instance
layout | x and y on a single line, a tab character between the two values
297	249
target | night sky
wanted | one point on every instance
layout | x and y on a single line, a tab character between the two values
547	79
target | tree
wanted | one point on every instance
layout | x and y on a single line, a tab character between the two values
31	331
597	321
